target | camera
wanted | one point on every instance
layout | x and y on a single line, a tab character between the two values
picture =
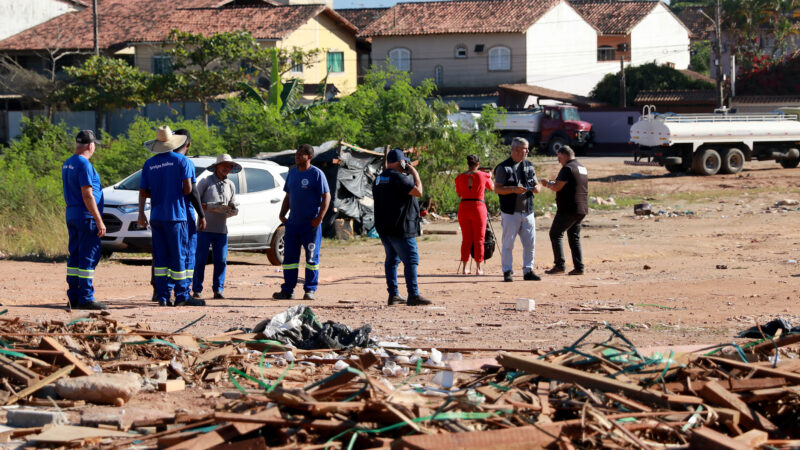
404	165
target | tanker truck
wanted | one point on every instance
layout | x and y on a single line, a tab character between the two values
547	127
714	143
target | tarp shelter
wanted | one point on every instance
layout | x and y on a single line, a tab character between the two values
350	172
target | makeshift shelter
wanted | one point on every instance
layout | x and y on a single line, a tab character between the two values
350	172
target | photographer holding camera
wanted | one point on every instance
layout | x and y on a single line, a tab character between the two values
397	221
515	183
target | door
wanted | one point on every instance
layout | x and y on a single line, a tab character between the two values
550	123
260	205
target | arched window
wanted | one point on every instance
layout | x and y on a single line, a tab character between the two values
500	58
438	75
605	53
400	58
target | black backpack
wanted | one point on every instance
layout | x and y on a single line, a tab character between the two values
489	244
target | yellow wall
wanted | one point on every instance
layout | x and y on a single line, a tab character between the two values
325	34
320	32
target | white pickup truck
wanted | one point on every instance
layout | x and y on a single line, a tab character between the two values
710	143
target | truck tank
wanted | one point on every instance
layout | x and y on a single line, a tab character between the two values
653	130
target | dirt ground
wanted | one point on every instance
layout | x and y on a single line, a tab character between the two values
725	259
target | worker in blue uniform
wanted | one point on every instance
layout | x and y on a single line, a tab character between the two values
166	178
307	199
84	198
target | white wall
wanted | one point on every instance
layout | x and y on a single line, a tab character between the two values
19	15
661	37
562	52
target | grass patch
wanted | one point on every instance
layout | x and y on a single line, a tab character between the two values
36	237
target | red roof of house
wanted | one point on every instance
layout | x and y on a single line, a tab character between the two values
614	17
459	17
696	22
361	17
125	21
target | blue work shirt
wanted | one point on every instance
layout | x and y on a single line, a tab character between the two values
76	172
163	176
305	191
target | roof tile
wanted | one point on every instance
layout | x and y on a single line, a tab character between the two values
125	21
617	17
449	17
361	17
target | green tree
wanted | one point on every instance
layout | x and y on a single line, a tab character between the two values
104	84
701	56
650	76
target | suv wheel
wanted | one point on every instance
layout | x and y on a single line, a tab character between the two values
275	250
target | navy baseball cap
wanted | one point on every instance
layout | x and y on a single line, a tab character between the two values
396	155
86	137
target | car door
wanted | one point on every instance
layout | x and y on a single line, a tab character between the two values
260	206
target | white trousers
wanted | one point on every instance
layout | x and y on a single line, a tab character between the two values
523	225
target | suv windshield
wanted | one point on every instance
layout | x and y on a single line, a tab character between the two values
132	182
570	114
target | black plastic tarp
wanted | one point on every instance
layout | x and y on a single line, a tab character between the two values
350	173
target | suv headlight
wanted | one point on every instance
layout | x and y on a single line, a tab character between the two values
125	209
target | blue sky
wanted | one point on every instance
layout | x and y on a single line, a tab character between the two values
375	3
367	3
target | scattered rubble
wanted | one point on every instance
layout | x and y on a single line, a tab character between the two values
601	391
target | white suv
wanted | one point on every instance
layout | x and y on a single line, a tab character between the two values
259	193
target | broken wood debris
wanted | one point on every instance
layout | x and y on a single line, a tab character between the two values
604	393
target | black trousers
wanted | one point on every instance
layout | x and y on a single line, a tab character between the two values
571	223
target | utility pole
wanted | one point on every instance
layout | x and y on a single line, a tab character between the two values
733	75
718	52
94	17
622	93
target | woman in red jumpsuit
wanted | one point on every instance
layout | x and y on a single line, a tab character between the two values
472	214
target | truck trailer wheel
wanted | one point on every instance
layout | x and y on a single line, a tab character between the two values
732	161
706	162
791	160
556	144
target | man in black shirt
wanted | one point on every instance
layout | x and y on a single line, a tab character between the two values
397	220
572	198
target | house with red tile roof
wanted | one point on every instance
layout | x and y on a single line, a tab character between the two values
474	46
362	18
136	29
636	32
562	45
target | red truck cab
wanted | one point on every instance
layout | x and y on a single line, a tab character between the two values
562	125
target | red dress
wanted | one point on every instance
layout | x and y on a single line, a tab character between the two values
472	214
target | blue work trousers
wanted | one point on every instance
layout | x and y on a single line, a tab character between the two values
84	254
309	238
169	259
191	246
218	242
401	249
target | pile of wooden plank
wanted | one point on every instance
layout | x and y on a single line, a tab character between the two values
594	393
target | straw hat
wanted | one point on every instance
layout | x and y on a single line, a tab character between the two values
226	158
165	141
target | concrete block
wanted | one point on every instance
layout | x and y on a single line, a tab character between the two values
526	304
29	418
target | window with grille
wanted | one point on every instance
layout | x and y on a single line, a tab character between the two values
162	64
400	58
500	58
606	53
335	62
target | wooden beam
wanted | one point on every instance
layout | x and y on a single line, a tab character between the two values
66	357
570	375
706	438
717	394
765	371
42	383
